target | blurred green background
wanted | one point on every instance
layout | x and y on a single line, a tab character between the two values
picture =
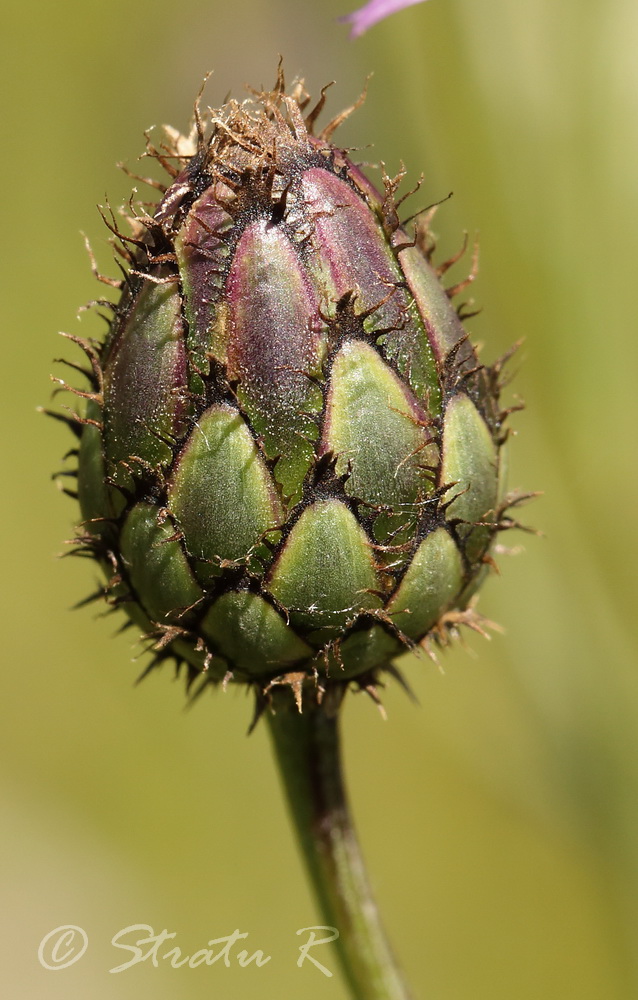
500	817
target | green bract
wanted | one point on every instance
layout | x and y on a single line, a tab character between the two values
289	464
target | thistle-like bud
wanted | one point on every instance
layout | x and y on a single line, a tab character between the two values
289	467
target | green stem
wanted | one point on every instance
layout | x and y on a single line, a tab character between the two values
308	751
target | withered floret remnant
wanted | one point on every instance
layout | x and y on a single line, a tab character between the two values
289	453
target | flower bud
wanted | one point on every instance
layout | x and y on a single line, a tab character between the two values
292	467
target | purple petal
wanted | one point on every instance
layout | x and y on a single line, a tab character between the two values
374	11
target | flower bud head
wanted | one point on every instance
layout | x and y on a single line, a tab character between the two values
291	468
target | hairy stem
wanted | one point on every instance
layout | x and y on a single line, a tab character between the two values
308	751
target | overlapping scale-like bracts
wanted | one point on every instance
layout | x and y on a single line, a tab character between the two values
292	470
